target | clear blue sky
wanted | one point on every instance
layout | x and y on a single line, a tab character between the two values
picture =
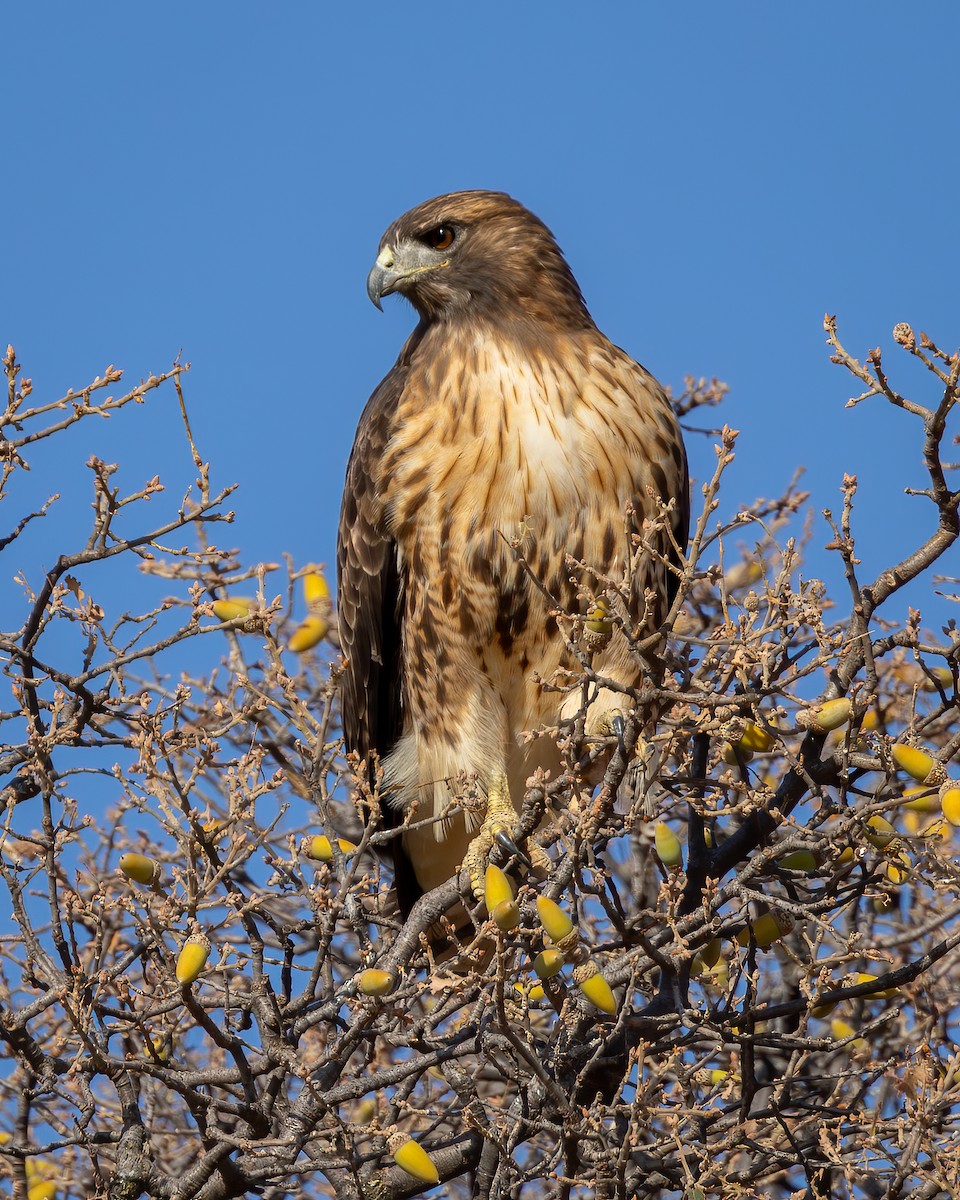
215	177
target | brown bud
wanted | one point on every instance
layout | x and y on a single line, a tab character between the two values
903	335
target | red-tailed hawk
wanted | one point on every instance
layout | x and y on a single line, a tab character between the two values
508	415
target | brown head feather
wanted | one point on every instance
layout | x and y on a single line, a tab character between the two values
503	265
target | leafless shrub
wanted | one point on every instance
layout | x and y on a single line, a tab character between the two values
748	1054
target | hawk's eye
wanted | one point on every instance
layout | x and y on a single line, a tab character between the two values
441	238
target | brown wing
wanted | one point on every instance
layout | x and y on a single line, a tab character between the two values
370	601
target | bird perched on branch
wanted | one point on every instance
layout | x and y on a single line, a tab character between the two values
513	473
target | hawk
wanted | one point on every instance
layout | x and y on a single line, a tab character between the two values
511	461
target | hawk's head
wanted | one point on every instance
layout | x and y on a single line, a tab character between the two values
478	254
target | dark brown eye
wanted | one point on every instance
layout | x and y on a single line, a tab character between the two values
441	238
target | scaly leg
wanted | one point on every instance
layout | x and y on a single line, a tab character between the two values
498	825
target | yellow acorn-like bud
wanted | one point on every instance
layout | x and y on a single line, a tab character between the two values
799	860
870	722
880	832
316	590
588	979
373	982
192	958
845	856
755	738
139	868
899	869
536	993
943	677
710	953
950	803
716	977
598	619
412	1157
734	756
158	1047
667	845
820	1011
307	635
496	888
921	799
44	1189
915	762
825	717
555	922
318	846
767	929
506	915
742	574
236	606
365	1111
549	962
866	977
842	1030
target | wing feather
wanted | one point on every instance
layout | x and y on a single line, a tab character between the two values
370	603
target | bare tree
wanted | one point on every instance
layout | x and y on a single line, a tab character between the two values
206	991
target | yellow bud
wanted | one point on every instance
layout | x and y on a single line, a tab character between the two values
943	677
307	635
158	1047
915	762
598	618
767	929
799	860
898	870
845	856
555	922
950	804
192	958
710	952
717	1076
139	868
870	722
880	832
733	756
743	574
45	1189
842	1030
588	979
667	845
506	915
376	983
365	1111
536	992
920	799
823	1010
865	977
318	846
717	976
918	824
316	590
229	610
829	715
549	962
755	738
412	1157
496	888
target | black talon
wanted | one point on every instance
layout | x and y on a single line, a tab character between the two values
506	842
618	727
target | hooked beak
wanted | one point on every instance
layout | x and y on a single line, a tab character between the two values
383	278
399	267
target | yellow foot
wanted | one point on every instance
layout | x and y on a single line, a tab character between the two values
498	826
609	723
